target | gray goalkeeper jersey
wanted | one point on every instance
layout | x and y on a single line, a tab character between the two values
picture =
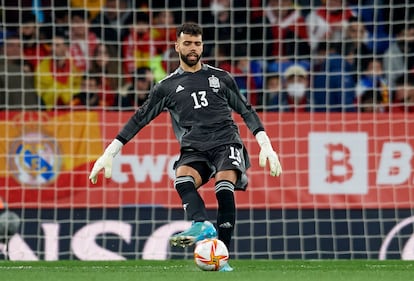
200	105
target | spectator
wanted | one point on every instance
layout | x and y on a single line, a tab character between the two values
89	95
163	36
355	45
403	95
271	97
93	7
163	30
110	24
61	22
333	85
82	40
285	30
294	95
135	94
373	78
34	50
225	22
246	72
371	101
296	81
137	47
328	23
57	79
170	61
399	58
396	14
16	79
107	67
372	15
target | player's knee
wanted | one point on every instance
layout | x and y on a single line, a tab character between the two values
184	184
227	175
187	171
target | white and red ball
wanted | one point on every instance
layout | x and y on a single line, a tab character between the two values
211	254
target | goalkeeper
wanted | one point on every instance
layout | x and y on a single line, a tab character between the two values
200	99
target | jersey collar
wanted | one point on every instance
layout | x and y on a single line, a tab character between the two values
181	71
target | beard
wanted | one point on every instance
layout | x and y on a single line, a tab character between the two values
190	62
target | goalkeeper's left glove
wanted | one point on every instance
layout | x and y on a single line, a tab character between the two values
105	161
267	153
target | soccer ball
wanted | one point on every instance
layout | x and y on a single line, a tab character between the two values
9	224
211	254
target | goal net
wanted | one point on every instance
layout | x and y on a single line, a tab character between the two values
331	81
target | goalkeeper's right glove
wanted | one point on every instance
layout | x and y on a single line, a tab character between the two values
105	161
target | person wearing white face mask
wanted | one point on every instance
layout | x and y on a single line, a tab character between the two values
296	82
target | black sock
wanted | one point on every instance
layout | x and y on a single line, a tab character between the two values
226	215
193	204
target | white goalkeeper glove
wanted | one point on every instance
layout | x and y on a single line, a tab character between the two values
105	161
267	153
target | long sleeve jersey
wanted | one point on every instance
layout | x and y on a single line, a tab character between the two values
201	105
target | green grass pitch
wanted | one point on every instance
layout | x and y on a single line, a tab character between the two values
183	270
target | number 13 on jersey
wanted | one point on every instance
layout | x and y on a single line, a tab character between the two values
200	99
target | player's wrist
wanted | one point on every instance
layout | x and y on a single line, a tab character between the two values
263	139
114	147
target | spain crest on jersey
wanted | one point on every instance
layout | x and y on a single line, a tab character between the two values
214	82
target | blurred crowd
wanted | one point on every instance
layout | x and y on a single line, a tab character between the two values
285	55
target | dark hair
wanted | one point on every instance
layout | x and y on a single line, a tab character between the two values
61	34
92	76
141	73
81	13
371	96
190	28
353	19
366	60
141	17
28	17
272	75
404	79
11	36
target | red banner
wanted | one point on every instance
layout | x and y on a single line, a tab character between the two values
329	161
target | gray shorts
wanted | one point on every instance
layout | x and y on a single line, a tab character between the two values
221	158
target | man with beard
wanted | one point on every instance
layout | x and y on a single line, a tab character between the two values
200	99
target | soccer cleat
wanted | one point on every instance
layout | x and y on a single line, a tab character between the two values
197	232
226	268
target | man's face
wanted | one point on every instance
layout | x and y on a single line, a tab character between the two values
12	49
356	31
409	35
28	31
79	27
102	56
141	27
164	18
144	83
371	105
404	93
334	5
113	8
59	48
273	84
189	48
89	85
